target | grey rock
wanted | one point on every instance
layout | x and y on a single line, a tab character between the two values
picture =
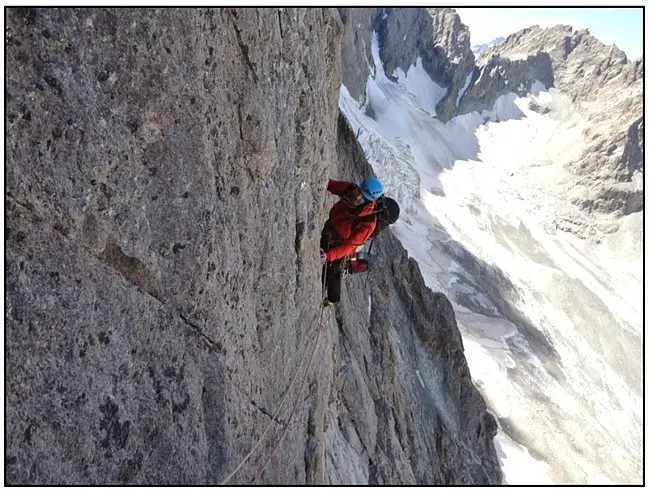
438	38
404	372
166	169
500	76
165	190
356	58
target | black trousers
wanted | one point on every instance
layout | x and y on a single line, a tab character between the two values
331	275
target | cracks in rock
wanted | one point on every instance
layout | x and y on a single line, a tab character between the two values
214	346
300	230
309	455
243	46
348	439
25	205
239	118
256	406
129	268
398	430
280	23
269	415
342	405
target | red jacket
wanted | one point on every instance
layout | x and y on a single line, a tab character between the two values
350	233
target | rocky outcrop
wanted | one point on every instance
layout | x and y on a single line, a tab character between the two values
438	38
406	410
582	64
435	36
356	58
165	189
601	83
500	76
604	87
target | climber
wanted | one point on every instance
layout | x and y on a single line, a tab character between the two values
352	220
387	213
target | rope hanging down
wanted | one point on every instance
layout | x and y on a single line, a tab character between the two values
286	394
302	384
365	285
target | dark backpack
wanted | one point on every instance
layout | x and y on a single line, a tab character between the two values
387	213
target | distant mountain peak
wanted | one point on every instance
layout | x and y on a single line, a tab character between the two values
559	41
479	49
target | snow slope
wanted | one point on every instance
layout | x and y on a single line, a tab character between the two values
552	324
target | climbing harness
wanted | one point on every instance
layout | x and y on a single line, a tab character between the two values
286	394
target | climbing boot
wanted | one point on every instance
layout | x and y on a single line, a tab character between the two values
327	302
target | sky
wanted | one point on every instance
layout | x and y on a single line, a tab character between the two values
620	26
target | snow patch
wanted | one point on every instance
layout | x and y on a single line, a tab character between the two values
417	373
468	79
506	107
518	466
417	82
538	87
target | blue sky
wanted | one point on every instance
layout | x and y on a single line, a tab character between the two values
620	26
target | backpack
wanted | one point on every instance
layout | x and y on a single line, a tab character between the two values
386	212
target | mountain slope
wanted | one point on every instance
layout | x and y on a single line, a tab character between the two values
603	87
415	403
600	83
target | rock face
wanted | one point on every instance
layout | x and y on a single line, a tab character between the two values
165	190
164	202
404	407
356	58
438	38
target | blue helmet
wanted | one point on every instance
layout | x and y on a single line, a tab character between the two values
371	188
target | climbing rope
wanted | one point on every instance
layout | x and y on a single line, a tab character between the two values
286	394
365	286
302	384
